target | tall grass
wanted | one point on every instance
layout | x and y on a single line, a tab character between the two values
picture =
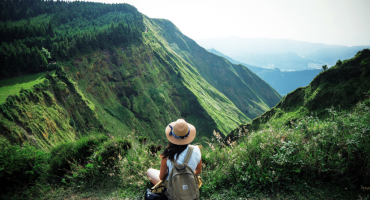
300	158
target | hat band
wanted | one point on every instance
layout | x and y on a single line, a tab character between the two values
178	137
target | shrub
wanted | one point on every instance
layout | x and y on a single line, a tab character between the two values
111	151
63	155
87	160
152	149
142	139
20	166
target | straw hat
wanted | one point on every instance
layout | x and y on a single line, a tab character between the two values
182	132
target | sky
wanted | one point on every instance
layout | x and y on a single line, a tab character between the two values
340	22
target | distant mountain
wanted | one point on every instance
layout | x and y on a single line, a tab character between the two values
330	55
341	86
282	81
286	61
280	53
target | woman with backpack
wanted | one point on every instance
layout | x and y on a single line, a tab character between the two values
180	162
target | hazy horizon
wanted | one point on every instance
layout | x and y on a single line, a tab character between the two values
331	22
234	36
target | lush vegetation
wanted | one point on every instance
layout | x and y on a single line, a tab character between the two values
308	159
248	92
60	31
297	158
113	77
12	86
94	125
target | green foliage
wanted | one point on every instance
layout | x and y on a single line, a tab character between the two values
142	140
20	166
249	93
68	33
324	67
12	86
339	63
313	151
111	151
65	154
294	160
87	159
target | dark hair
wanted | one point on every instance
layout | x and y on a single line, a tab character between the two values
172	149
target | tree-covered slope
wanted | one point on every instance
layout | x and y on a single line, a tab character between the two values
340	87
114	77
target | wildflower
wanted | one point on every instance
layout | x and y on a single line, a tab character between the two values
259	163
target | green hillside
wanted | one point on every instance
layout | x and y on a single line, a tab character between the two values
114	77
340	87
248	92
89	92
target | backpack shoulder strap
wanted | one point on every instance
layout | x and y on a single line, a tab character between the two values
188	155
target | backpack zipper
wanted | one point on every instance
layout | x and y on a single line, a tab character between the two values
181	174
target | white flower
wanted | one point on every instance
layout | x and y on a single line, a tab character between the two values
259	163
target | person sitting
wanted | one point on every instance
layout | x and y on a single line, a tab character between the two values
179	134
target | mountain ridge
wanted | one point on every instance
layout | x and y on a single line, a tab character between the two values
135	82
265	52
283	81
343	86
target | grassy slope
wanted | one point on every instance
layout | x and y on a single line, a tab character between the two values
248	92
136	88
50	112
341	86
320	159
12	86
217	105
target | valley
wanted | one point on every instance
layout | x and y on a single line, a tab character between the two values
87	90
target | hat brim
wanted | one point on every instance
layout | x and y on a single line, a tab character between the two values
187	140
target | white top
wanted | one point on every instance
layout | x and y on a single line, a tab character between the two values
193	162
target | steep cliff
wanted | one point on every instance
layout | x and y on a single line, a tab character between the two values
121	79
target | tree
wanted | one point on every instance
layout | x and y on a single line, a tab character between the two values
54	51
339	63
46	53
50	30
324	67
43	63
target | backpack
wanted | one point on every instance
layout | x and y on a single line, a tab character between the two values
182	183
